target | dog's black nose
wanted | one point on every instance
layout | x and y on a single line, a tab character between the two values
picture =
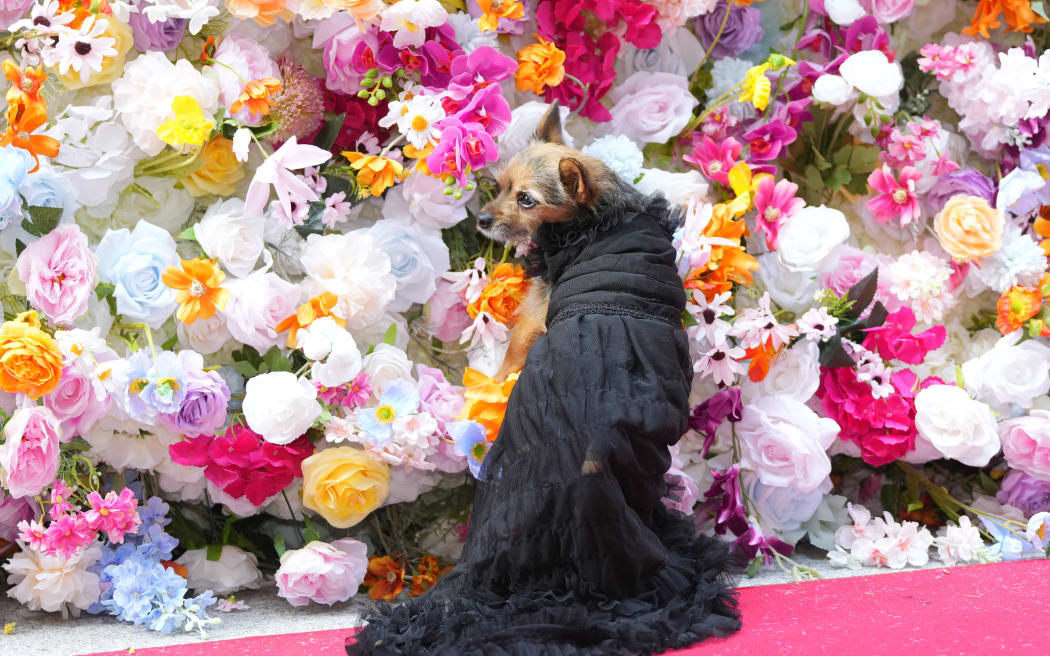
484	221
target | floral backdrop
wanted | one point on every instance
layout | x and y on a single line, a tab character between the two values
249	329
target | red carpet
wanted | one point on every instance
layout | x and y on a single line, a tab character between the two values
972	610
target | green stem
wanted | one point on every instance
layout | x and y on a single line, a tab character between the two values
710	48
586	92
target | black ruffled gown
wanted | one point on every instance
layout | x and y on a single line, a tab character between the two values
570	550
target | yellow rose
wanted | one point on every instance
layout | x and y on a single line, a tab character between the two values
219	171
344	485
969	228
30	361
112	67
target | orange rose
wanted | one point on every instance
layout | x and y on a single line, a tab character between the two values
486	400
30	361
540	65
969	228
502	296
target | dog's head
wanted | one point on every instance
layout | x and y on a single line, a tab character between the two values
547	182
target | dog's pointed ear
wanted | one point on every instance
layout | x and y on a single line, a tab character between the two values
550	127
577	182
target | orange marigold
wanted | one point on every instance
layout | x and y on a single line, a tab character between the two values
317	307
385	578
728	264
486	400
540	65
1017	305
493	10
30	360
502	295
199	284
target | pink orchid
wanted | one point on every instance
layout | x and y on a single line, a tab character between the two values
715	159
775	204
895	199
277	170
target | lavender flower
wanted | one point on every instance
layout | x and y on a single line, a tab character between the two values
1028	494
742	29
964	181
163	35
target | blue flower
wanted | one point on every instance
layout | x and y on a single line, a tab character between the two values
154	512
399	399
133	261
471	441
14	165
1008	545
155	386
620	154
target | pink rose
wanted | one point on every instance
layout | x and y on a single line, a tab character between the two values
59	273
442	401
1026	443
251	61
12	511
322	573
447	312
29	455
74	403
888	11
12	10
652	107
340	74
258	303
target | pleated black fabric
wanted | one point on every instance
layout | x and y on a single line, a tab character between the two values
570	551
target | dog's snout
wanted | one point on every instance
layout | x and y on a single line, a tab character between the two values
485	221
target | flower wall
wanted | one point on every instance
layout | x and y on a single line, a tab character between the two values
250	330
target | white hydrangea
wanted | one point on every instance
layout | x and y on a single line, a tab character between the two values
618	153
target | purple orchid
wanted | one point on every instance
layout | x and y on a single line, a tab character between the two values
488	108
768	140
481	68
709	415
724	502
462	147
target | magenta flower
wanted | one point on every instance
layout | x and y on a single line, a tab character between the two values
775	204
68	534
883	428
358	391
481	68
715	159
724	503
462	148
32	533
488	108
709	415
113	514
767	141
754	541
905	149
895	199
895	341
60	505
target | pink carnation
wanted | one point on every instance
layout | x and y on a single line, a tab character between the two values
322	573
894	340
884	429
1026	443
29	455
59	273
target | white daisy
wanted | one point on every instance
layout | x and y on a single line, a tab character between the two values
45	21
415	118
82	50
409	19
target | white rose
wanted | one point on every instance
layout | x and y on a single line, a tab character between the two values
165	206
833	90
279	406
871	73
679	53
1009	373
652	107
422	199
844	12
791	290
677	188
228	235
784	509
181	482
236	569
257	304
326	340
239	507
418	256
356	269
956	425
794	373
205	336
809	236
785	442
386	363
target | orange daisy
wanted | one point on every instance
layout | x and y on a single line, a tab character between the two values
375	173
1017	305
385	578
256	96
199	286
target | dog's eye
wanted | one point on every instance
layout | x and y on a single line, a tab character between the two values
526	200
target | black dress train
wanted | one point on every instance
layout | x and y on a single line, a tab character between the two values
570	550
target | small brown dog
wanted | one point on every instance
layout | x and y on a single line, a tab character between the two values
547	182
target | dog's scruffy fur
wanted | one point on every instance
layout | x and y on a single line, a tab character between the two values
548	182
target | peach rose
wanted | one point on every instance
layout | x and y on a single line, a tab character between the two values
504	293
969	228
218	173
30	360
344	485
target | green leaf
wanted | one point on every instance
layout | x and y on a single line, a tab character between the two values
275	360
832	355
19	247
245	368
188	234
326	137
42	220
214	552
959	381
170	342
104	289
688	320
820	162
391	334
839	176
989	486
278	543
863	159
309	532
313	224
915	505
752	569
